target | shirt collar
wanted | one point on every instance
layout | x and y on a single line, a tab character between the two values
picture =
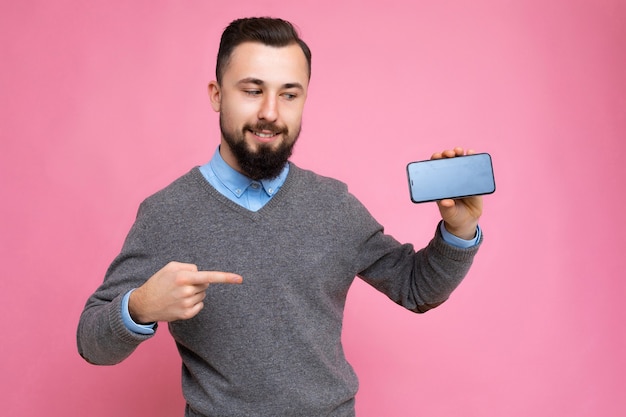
237	183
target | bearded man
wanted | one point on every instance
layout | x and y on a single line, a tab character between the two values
249	257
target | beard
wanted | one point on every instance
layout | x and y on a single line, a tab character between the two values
268	160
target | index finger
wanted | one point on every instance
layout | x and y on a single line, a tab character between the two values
214	277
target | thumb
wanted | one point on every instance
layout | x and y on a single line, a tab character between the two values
447	203
447	209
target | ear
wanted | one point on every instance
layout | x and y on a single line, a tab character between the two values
215	95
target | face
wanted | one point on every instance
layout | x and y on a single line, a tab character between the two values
260	101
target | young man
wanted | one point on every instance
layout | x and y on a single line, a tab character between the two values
289	240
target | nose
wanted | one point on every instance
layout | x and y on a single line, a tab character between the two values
269	109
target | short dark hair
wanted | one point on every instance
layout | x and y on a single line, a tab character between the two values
266	30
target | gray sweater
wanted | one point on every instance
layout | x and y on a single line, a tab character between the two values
271	346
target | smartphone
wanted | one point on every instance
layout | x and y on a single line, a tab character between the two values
458	177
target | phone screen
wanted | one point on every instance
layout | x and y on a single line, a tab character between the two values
458	177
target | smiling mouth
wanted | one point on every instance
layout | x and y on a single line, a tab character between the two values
264	135
266	132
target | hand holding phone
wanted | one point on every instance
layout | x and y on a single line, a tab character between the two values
451	178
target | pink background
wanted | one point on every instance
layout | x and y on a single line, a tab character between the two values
104	102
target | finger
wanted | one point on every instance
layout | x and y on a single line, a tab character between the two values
191	311
214	277
449	153
190	295
181	266
196	298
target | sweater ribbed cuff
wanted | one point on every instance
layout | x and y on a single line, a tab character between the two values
118	327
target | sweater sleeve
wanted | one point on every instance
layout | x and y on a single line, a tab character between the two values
102	336
417	280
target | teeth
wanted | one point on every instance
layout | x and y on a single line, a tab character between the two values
264	135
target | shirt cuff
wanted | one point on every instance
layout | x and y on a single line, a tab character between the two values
130	323
457	241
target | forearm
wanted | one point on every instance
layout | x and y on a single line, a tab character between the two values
422	280
438	270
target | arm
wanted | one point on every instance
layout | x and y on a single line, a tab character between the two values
425	279
418	281
102	337
175	292
172	292
459	228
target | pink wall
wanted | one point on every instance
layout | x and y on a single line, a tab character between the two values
103	103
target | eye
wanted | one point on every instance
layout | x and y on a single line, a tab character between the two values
252	93
290	96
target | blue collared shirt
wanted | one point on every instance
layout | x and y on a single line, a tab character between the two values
237	187
253	195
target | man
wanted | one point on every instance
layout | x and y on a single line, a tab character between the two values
290	240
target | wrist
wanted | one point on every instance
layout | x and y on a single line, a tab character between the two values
144	329
466	232
134	308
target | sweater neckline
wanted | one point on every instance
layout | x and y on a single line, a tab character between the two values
255	215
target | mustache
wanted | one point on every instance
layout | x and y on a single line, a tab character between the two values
268	126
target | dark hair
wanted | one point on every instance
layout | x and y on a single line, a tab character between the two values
266	30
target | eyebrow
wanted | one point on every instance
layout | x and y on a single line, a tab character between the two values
259	82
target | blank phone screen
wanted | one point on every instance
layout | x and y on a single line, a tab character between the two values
462	176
